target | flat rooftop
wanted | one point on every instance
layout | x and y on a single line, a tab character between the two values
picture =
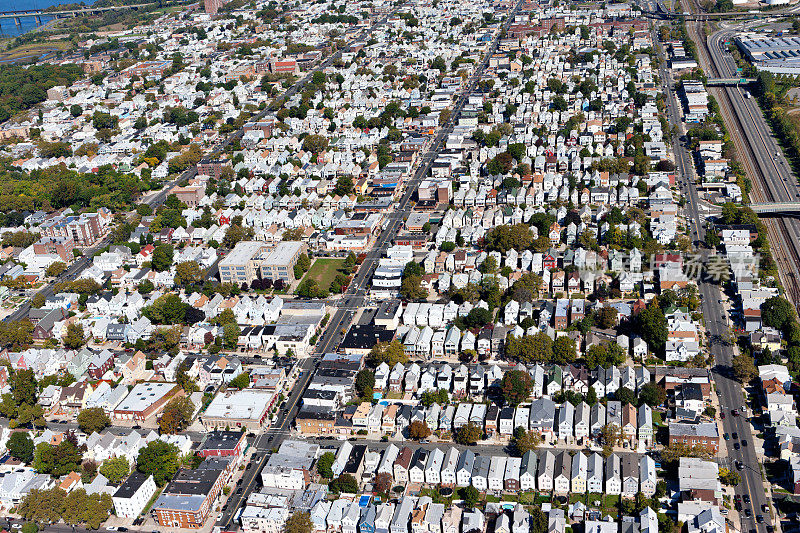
144	395
239	405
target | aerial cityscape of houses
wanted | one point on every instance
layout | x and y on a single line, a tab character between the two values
390	267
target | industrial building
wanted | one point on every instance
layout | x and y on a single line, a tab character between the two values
779	55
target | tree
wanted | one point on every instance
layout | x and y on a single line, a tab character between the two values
418	430
161	260
653	326
230	335
625	395
729	477
743	368
237	233
60	459
166	309
429	398
516	386
242	381
309	288
525	440
93	420
505	237
412	289
315	143
591	396
344	483
607	317
390	353
75	337
478	317
20	446
177	415
673	452
324	464
56	268
115	468
610	436
23	387
777	312
146	287
470	496
538	520
365	382
159	459
564	350
468	434
382	482
652	394
299	522
187	273
38	300
344	185
75	110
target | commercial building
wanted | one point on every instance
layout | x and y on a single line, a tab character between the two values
187	500
132	496
144	400
222	444
246	408
242	263
279	262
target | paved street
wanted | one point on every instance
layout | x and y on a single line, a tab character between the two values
355	296
728	390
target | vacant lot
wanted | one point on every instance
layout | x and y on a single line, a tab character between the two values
323	270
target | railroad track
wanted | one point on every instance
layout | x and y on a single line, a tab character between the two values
779	231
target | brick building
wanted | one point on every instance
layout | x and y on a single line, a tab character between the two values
695	434
61	246
187	500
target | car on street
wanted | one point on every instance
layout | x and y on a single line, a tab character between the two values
736	446
726	436
765	507
735	435
748	513
746	498
739	465
744	442
735	412
760	518
722	416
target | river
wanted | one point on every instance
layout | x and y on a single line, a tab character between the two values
9	28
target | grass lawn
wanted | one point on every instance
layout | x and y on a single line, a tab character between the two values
323	270
657	421
35	49
610	501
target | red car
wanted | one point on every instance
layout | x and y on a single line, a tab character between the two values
722	416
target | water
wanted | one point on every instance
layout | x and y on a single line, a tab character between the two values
9	28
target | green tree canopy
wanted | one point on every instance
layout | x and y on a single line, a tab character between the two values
159	459
516	387
93	420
